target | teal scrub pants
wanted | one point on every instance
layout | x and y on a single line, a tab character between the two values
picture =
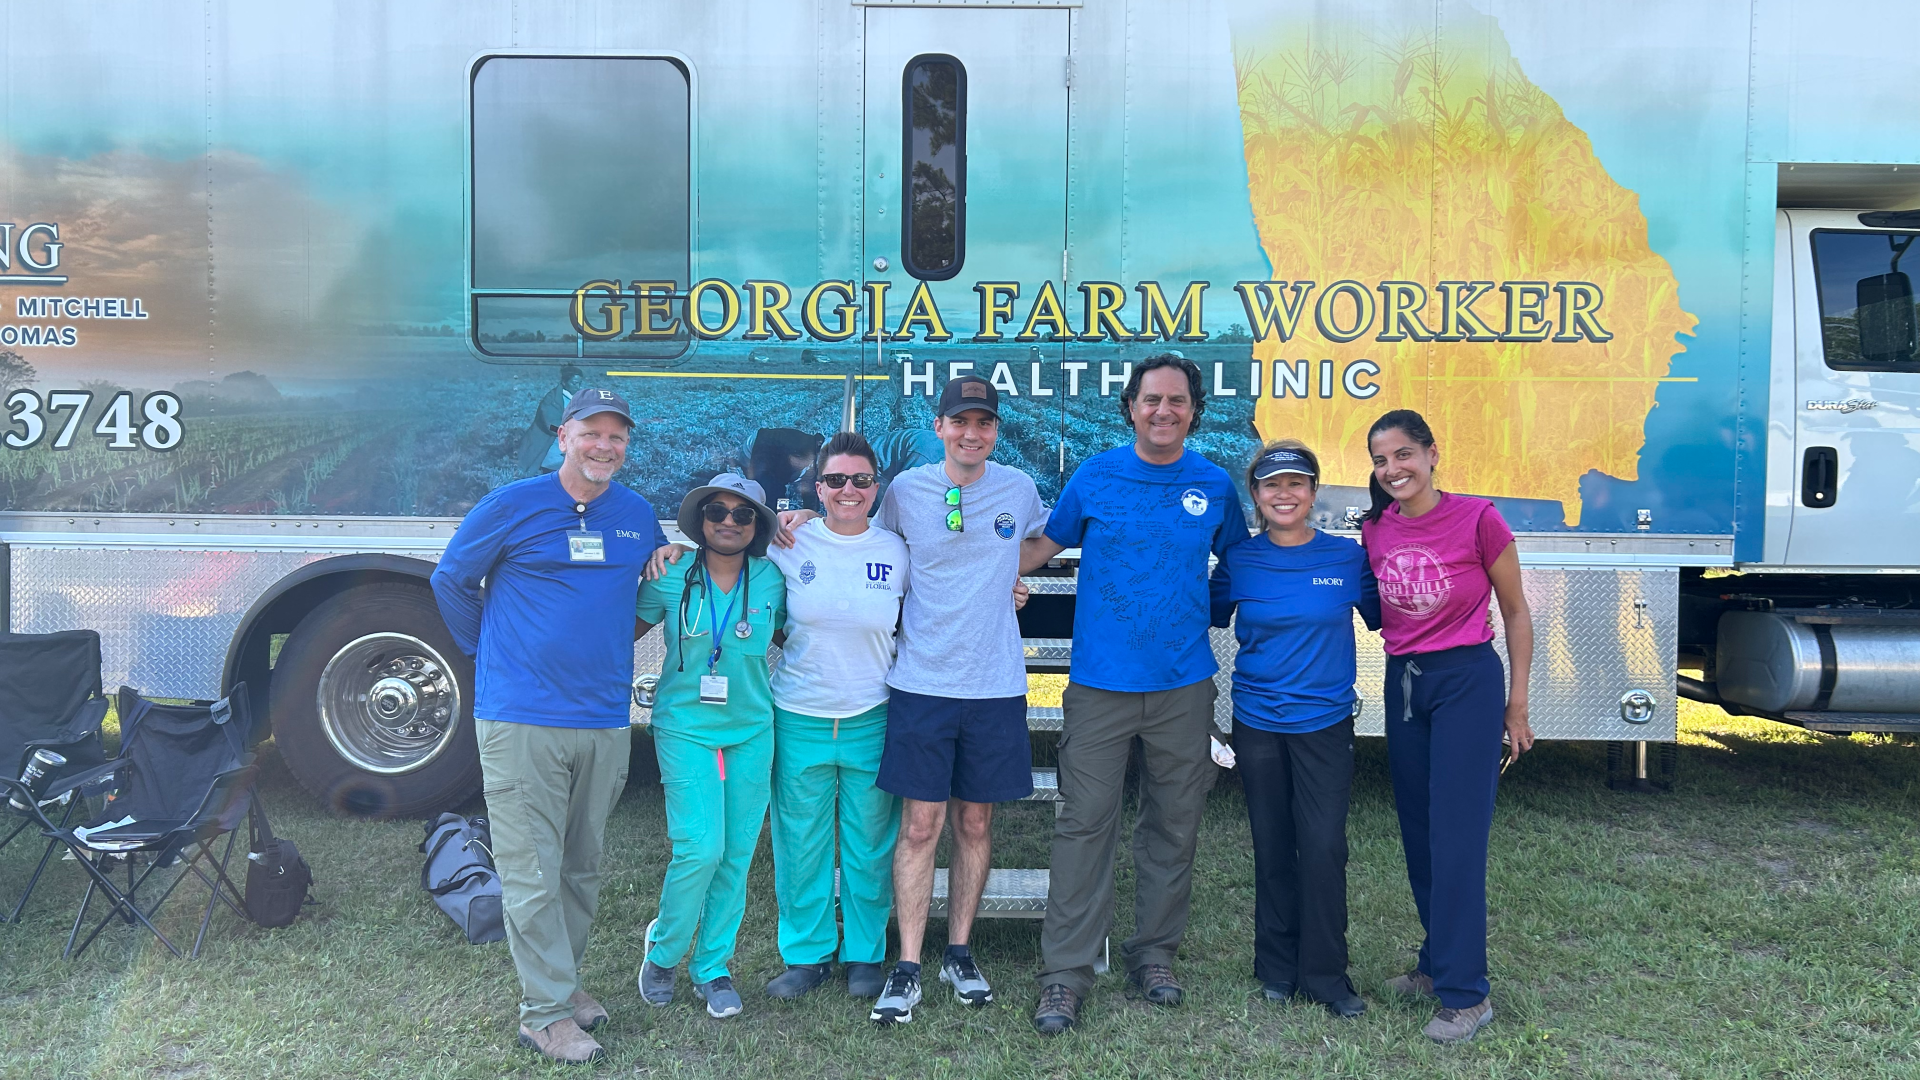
716	800
823	787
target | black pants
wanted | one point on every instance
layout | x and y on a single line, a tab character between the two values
1297	789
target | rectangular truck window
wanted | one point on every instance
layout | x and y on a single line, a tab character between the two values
934	176
1868	317
580	171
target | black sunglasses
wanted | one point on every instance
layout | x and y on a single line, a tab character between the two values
836	481
741	515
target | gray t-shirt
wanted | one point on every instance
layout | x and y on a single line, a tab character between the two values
959	637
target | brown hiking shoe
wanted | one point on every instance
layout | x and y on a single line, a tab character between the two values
1459	1025
1414	984
1156	983
1059	1009
564	1042
587	1013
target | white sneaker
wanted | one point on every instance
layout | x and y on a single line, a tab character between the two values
896	1001
964	976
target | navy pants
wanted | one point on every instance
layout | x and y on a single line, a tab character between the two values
1445	717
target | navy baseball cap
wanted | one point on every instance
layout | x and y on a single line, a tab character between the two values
1283	459
592	402
969	392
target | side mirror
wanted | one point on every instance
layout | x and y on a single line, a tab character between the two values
1889	330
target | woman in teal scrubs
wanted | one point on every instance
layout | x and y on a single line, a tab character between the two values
713	733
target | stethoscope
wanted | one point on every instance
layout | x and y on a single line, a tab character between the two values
697	574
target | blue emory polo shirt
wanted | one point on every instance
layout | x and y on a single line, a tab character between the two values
1295	671
1140	610
552	639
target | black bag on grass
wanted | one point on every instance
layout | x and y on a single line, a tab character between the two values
459	875
277	877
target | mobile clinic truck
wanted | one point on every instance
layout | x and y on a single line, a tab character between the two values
285	288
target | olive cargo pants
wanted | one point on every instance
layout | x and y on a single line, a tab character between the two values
1176	773
549	791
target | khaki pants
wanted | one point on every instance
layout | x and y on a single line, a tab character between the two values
549	791
1176	774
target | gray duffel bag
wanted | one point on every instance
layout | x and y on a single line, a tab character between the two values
460	877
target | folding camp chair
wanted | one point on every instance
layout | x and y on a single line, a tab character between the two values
49	701
183	779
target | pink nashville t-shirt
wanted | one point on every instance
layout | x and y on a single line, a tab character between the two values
1432	572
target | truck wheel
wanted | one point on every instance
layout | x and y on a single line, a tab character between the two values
372	705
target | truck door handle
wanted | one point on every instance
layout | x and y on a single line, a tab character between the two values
1819	476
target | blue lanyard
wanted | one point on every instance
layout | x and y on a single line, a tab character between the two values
713	619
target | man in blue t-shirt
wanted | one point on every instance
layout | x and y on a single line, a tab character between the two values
552	640
1144	517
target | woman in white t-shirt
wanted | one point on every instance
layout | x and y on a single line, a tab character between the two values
845	580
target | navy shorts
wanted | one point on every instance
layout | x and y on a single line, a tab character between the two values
941	748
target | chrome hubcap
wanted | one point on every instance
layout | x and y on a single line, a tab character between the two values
388	703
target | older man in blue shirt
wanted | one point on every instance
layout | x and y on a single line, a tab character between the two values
560	556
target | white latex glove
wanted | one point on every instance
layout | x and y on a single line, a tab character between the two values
1222	753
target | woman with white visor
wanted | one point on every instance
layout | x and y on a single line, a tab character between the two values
1296	589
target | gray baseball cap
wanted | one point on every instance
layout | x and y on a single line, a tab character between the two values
592	402
734	484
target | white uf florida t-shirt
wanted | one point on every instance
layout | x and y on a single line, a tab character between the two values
843	603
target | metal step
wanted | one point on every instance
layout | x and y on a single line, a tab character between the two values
1050	586
1048	656
1010	894
1045	717
1840	723
1046	786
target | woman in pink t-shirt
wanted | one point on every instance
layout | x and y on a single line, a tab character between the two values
1438	559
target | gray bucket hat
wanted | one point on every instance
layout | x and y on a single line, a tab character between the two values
734	484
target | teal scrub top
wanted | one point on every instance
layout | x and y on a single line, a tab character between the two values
677	706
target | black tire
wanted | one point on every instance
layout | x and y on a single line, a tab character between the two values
369	633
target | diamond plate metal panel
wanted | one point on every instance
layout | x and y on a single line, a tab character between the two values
1013	894
1597	635
165	617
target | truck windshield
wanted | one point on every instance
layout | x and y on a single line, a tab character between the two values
1868	317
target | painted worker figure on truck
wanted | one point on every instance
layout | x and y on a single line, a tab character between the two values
561	555
1437	557
956	738
1145	517
846	579
713	733
1294	590
539	445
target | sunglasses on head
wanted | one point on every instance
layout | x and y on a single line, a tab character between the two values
836	481
716	513
954	521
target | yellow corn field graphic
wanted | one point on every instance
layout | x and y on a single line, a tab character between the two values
1426	161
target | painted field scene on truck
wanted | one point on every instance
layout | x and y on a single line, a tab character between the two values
245	302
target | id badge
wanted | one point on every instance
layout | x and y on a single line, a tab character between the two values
713	689
585	546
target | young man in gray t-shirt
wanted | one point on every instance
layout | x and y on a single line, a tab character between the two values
957	711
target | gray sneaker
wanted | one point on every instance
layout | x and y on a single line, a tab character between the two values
896	1001
656	982
721	998
964	976
1459	1025
1414	984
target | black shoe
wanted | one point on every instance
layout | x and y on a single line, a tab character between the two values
1277	991
798	979
1156	983
866	980
1346	1008
1059	1010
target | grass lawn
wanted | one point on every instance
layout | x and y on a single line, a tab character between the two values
1758	921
